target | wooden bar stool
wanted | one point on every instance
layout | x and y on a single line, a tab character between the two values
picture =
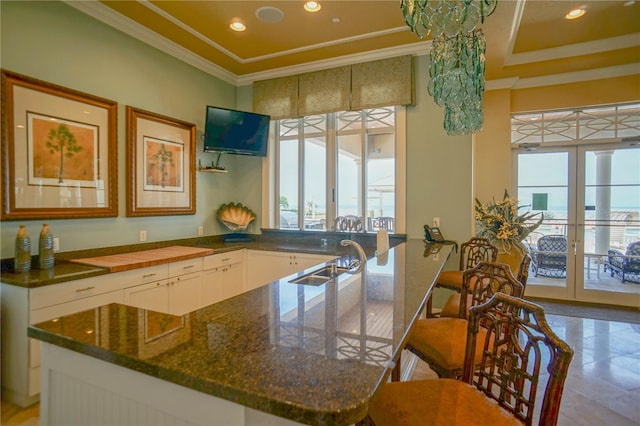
440	342
472	252
519	353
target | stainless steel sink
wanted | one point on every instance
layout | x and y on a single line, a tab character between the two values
320	276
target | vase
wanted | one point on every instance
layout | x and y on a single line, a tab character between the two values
22	260
45	248
511	255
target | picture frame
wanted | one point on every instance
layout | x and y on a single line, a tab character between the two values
161	161
59	151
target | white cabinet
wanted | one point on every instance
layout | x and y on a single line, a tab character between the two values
178	294
267	266
223	276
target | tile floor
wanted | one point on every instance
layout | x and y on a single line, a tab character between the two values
603	386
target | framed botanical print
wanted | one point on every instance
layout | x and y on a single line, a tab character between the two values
59	150
160	165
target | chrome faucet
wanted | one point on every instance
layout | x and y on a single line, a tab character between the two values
362	257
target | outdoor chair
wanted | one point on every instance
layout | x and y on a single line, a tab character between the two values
349	223
519	354
549	258
381	222
625	265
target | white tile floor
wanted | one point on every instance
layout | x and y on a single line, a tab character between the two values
603	385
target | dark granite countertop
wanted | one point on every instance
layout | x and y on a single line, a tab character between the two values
276	240
312	354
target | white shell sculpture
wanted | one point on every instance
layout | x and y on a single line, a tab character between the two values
235	216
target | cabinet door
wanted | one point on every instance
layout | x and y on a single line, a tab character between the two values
185	293
153	296
233	282
211	286
264	267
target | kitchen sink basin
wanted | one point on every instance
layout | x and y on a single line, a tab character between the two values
320	276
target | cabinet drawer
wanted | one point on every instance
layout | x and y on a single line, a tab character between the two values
185	267
221	259
142	275
51	295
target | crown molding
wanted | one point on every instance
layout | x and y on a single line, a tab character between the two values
128	26
564	78
571	50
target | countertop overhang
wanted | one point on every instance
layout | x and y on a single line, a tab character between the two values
314	355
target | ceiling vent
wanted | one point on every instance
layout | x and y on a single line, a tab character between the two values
269	14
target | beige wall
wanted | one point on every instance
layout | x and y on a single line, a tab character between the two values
55	43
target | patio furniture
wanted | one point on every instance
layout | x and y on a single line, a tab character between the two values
348	223
549	257
625	265
382	222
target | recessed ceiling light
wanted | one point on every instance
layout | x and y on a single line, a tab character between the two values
312	6
336	20
237	26
575	13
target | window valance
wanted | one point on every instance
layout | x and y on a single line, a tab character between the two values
353	87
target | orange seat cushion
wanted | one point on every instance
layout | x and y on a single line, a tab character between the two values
450	279
435	402
451	308
443	341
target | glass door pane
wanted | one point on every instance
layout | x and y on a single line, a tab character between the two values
315	183
610	225
544	187
288	162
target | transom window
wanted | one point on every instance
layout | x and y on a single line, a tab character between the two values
337	167
605	122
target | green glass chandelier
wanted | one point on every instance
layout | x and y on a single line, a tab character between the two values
457	56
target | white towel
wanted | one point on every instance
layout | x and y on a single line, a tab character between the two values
383	242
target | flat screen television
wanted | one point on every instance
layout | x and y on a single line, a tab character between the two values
236	132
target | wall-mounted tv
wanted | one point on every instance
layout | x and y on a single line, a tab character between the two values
236	132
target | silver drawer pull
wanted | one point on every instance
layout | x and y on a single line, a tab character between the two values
149	275
226	259
85	289
188	267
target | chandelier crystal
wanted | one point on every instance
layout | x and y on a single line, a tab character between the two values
457	56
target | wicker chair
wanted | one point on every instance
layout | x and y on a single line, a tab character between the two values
514	350
549	258
440	342
472	252
625	265
452	306
349	223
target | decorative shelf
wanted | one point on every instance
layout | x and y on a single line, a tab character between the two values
212	170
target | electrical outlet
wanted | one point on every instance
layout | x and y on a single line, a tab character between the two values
436	222
200	230
56	244
143	235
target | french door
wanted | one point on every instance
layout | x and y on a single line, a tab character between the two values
590	198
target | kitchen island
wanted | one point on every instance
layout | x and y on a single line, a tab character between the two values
283	353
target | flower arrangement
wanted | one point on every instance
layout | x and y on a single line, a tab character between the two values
500	221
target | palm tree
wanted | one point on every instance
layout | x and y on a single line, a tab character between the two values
63	141
165	157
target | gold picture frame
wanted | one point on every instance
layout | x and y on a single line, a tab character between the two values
161	163
59	151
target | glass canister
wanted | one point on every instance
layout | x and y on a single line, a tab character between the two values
45	248
22	260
